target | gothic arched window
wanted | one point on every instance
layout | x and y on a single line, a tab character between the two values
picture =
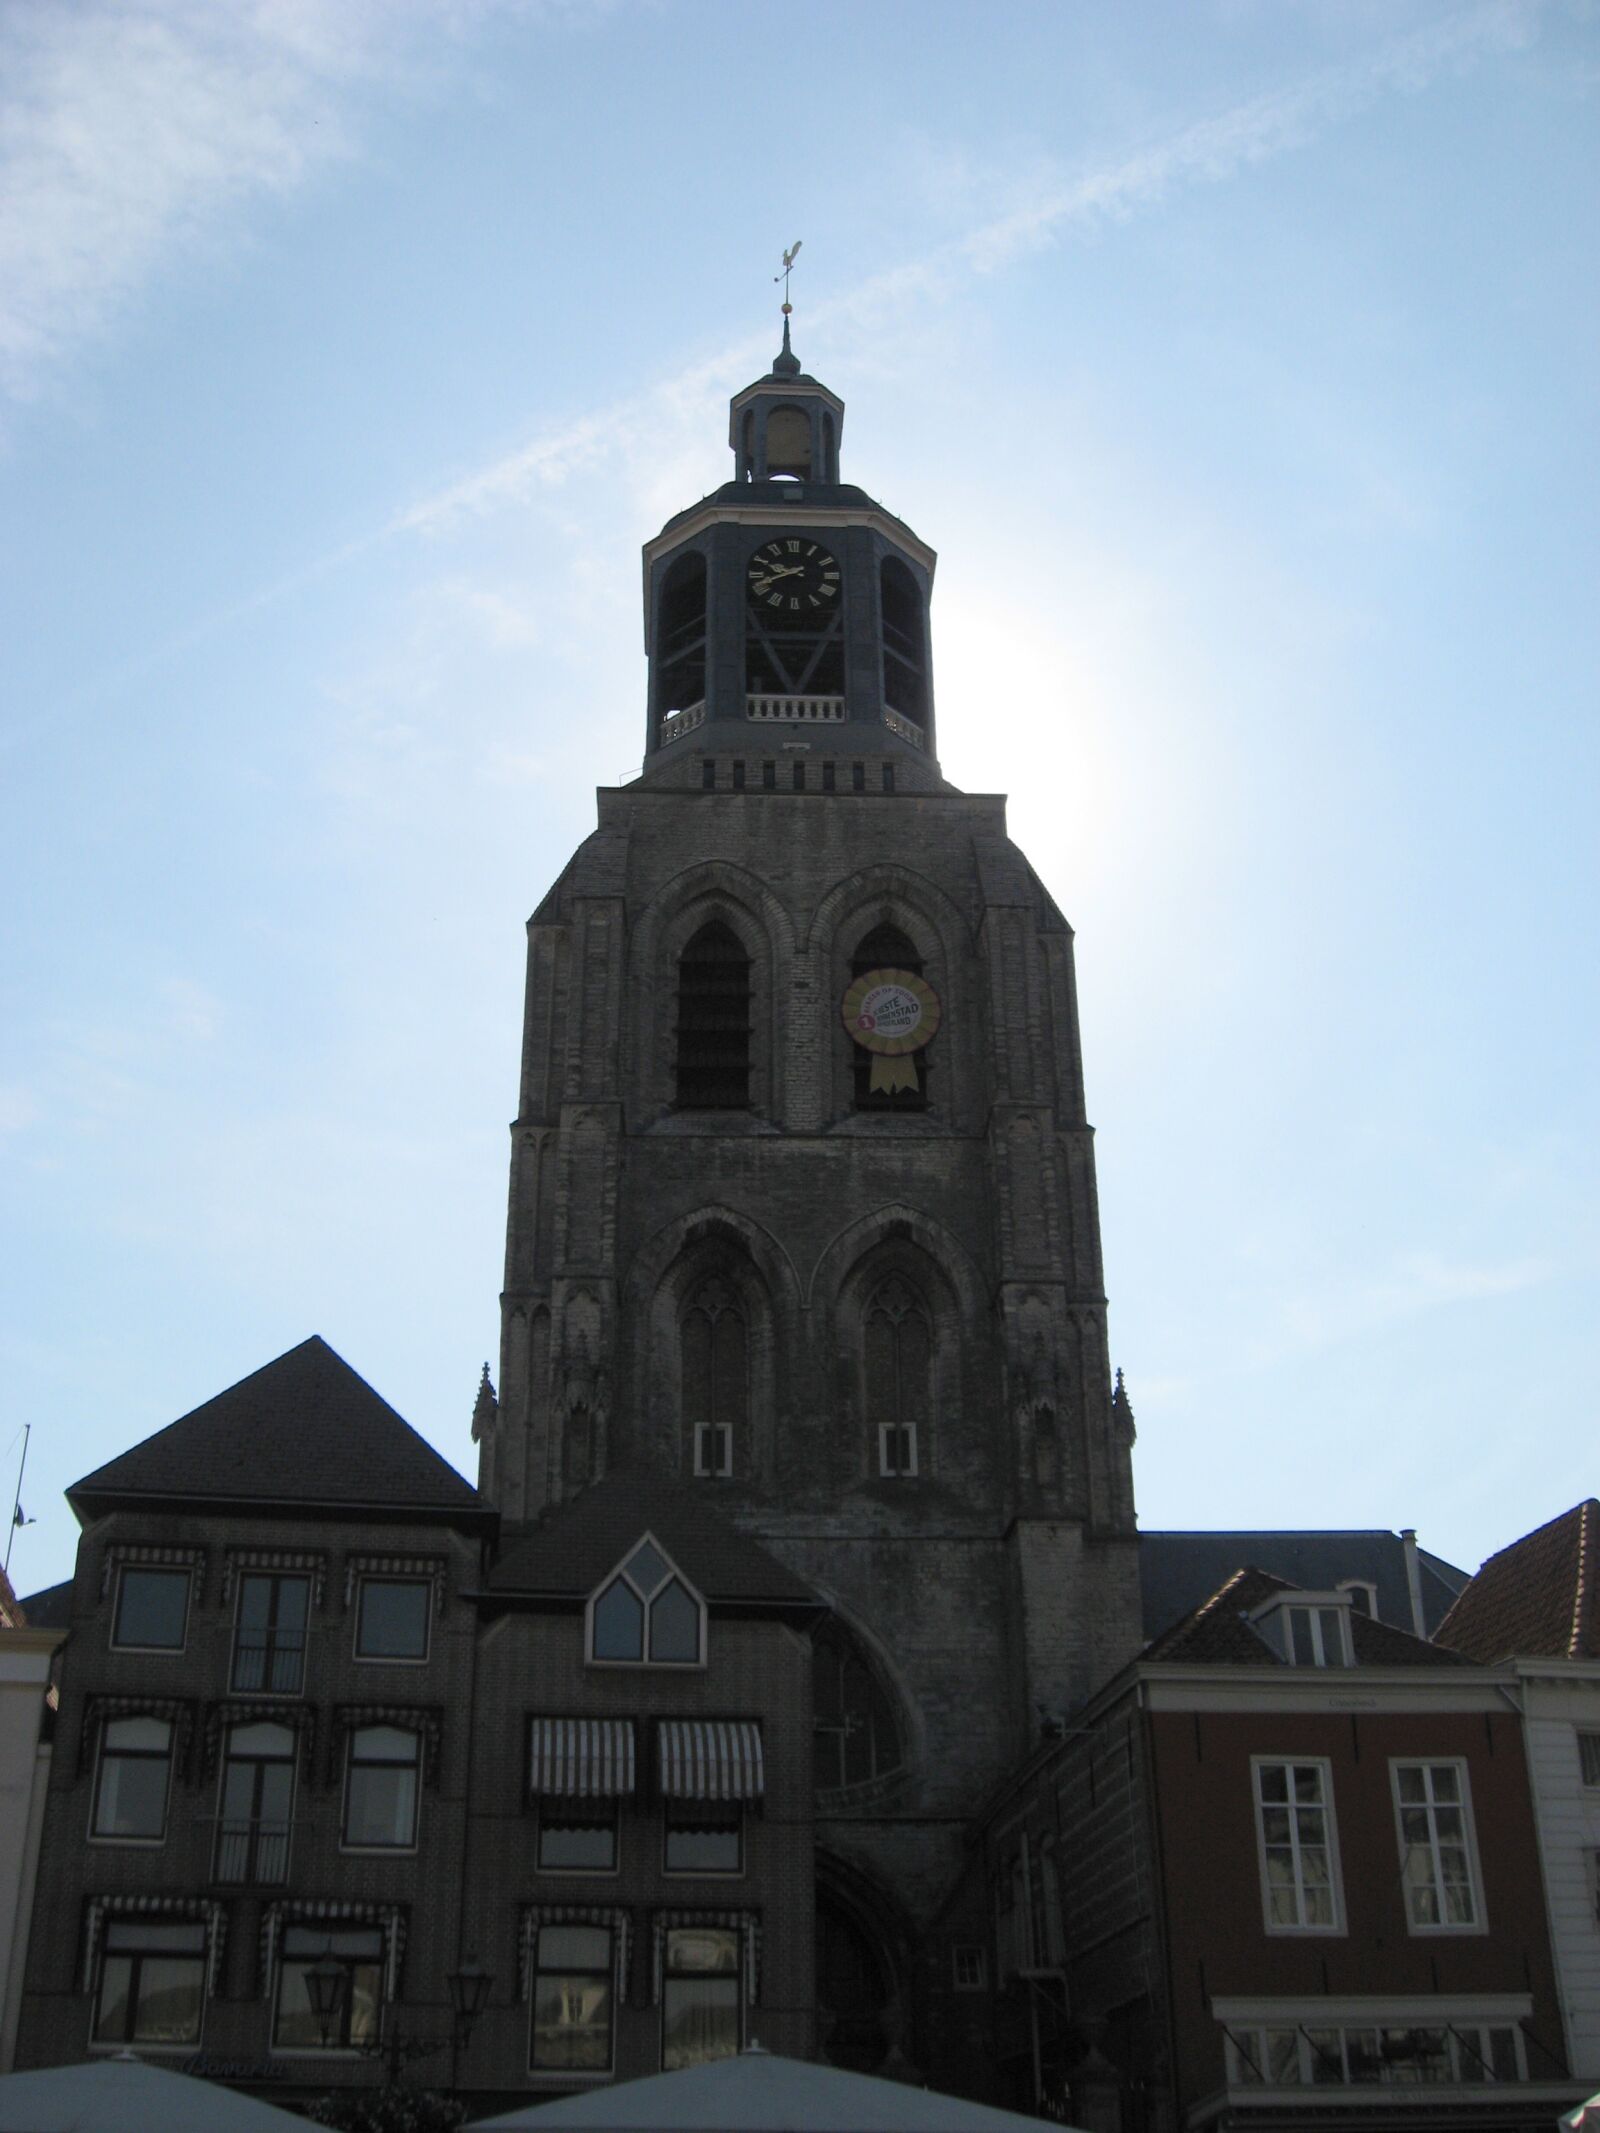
714	1021
856	1729
716	1378
886	948
646	1614
899	1363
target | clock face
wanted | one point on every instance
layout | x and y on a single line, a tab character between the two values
792	579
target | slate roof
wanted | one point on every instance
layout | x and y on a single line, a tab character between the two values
1217	1633
49	1608
302	1430
1179	1570
573	1547
1537	1599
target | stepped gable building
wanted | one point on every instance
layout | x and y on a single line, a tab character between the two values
802	1206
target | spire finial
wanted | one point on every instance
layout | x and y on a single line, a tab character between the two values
787	363
486	1408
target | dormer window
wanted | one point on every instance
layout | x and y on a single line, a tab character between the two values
1308	1628
646	1614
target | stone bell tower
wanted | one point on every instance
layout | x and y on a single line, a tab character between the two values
802	1204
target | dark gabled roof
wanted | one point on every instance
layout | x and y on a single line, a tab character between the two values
50	1608
1178	1570
1537	1599
303	1430
568	1553
1218	1632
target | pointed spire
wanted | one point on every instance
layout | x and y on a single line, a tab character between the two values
786	364
486	1408
1122	1411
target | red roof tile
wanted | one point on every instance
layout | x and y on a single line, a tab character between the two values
1536	1599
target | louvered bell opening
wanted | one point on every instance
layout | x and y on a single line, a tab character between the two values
714	1022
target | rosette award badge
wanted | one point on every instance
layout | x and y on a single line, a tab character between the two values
892	1014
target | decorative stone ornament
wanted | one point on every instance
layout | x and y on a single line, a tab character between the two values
892	1014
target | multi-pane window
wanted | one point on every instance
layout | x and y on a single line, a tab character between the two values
700	1996
572	2000
646	1616
969	1968
714	1021
152	1610
1294	1821
704	1837
392	1617
1293	2055
1314	1636
269	1635
380	1797
1436	1869
152	1983
257	1793
131	1784
577	1836
1589	1757
899	1354
857	1736
353	2019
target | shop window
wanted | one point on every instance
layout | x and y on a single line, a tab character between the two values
152	1984
572	2000
701	1998
353	2023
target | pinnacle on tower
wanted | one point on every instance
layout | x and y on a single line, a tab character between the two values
485	1409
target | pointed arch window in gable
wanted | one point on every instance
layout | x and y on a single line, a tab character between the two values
716	1378
857	1732
646	1614
887	948
714	1021
899	1361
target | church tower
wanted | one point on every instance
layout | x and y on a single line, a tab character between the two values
802	1207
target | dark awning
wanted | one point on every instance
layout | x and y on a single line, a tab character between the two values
582	1758
710	1759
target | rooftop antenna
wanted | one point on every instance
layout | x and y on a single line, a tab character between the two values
789	259
18	1517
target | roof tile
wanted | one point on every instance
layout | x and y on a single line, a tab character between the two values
1537	1599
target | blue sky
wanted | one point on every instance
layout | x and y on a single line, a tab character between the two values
1237	356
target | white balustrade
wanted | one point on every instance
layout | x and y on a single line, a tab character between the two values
678	723
903	726
811	710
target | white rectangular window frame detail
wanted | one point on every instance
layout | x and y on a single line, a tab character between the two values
119	1643
355	1762
969	1966
1431	1850
370	1578
112	1760
1316	2052
1293	1838
897	1450
713	1450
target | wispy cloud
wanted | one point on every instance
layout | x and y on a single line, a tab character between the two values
129	128
1414	1285
1054	206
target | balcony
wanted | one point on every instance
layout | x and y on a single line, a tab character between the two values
253	1854
677	723
903	726
795	710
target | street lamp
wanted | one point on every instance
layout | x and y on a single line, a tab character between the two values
469	1995
327	1983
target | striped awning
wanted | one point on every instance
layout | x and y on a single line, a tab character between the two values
710	1759
581	1758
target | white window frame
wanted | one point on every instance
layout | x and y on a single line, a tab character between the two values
162	1570
888	1470
400	1577
143	1755
1355	1585
969	1966
1444	1929
576	2076
1248	2033
1274	1620
730	1811
382	1851
253	1829
1320	1763
252	1574
647	1601
549	1810
713	1450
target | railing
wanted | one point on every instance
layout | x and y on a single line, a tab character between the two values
253	1853
903	726
677	723
263	1660
828	710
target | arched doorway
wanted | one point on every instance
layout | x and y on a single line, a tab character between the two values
858	2012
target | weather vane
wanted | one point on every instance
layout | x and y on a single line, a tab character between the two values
789	259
